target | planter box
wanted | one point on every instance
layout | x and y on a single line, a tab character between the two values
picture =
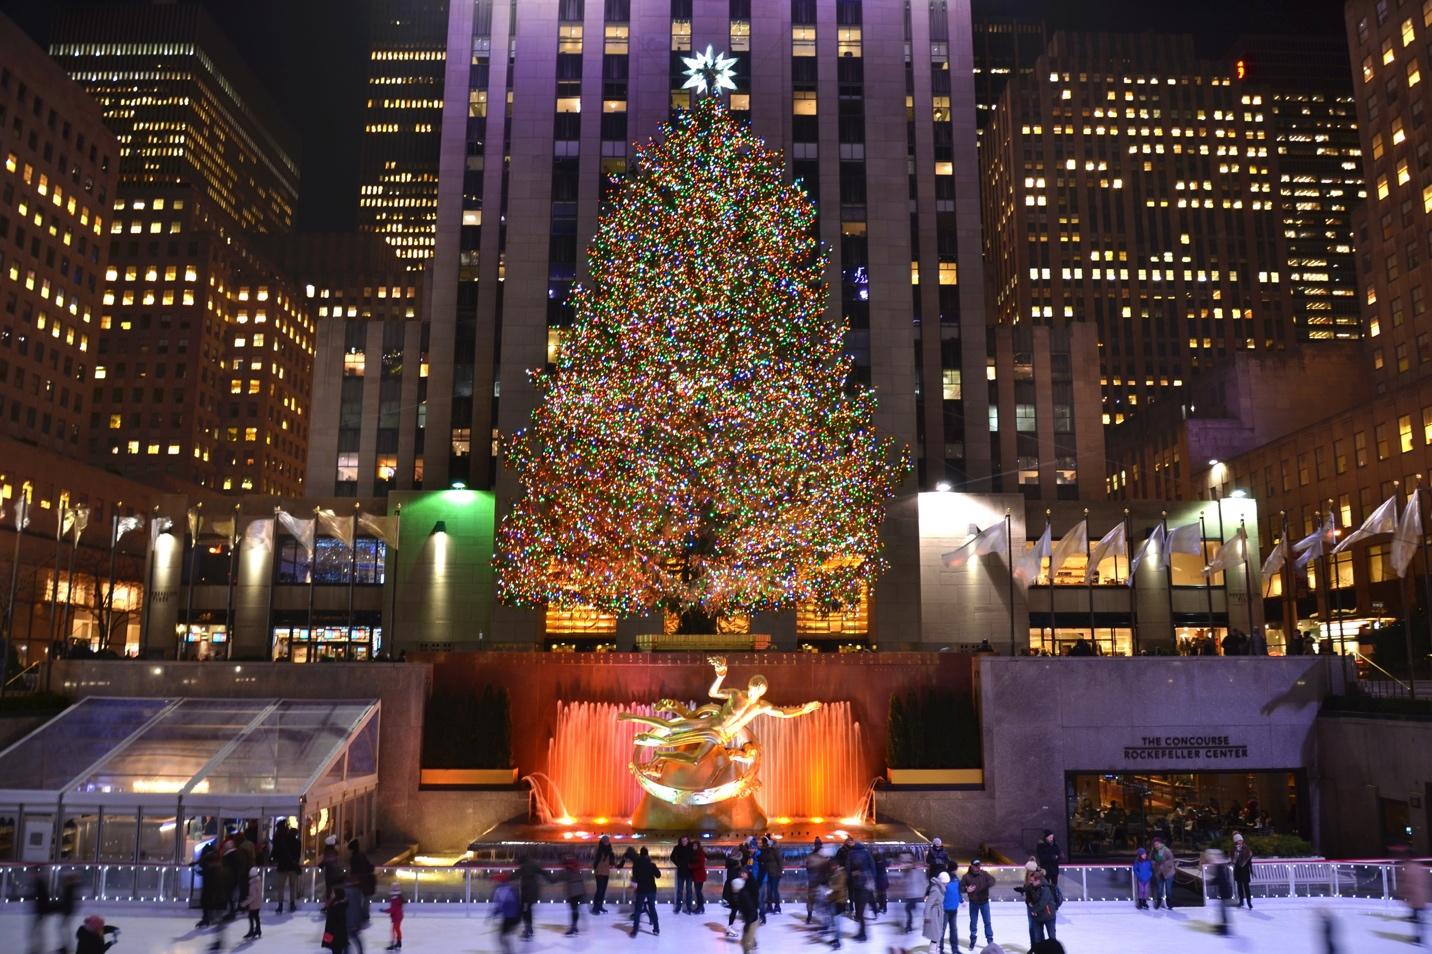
935	776
468	777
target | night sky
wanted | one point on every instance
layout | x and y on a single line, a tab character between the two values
312	54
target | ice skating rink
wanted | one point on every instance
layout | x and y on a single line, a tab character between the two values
1278	927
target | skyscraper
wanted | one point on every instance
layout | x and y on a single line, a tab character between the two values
57	177
205	353
402	120
1132	185
859	95
1005	48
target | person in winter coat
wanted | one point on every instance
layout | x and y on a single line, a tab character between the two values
529	875
287	860
333	872
357	914
394	911
882	883
644	875
745	897
937	859
1415	892
213	891
42	905
1041	901
935	922
951	906
976	885
698	879
912	885
1143	870
817	874
335	921
681	864
575	887
362	870
837	894
507	908
1220	887
254	901
1243	870
94	936
1165	869
602	863
1049	854
860	870
772	867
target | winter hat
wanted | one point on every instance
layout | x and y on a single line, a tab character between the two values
1047	832
974	862
1237	838
943	877
1142	852
937	843
331	840
1031	865
95	923
738	884
395	892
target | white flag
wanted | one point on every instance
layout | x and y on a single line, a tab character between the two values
1316	544
1075	541
79	521
1383	520
301	529
1186	539
228	528
22	514
1275	560
196	524
158	525
1408	536
1230	554
991	539
1115	544
339	528
1150	549
67	520
1027	564
259	533
123	525
384	528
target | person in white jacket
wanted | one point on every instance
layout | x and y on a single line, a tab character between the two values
934	917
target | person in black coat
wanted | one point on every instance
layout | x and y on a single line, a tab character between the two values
335	921
644	875
288	862
1049	854
94	937
40	897
602	864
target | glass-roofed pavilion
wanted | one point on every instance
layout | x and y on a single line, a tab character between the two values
114	780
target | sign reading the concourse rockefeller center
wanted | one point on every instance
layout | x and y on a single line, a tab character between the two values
1172	748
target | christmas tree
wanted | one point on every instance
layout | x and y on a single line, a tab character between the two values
699	447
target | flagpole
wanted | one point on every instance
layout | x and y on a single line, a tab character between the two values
67	614
393	614
1426	597
233	572
1167	557
1009	561
1406	603
22	517
1290	609
196	517
352	579
312	578
1053	636
1333	579
1227	606
1130	582
272	575
1089	581
107	616
145	613
1247	581
54	621
1207	577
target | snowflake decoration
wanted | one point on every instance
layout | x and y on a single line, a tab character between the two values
709	72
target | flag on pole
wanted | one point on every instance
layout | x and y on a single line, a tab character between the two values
259	533
1185	539
22	514
1152	548
1408	536
1276	559
228	529
79	520
1316	544
992	539
1075	541
1028	564
158	525
1383	520
384	528
302	529
1115	543
1230	554
123	525
339	528
196	524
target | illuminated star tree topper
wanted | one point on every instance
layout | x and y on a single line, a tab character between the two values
699	446
709	72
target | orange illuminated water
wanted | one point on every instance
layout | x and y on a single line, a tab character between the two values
812	765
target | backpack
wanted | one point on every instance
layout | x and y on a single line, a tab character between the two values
1046	904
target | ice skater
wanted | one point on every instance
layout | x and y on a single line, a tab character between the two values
394	911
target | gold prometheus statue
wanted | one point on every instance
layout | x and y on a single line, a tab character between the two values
707	754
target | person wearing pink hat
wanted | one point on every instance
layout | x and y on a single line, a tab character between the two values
94	936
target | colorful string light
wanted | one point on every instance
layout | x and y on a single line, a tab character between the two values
699	446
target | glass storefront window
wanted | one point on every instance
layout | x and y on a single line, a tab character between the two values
331	642
1107	640
1112	814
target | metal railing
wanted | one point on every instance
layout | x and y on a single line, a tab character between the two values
1373	880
